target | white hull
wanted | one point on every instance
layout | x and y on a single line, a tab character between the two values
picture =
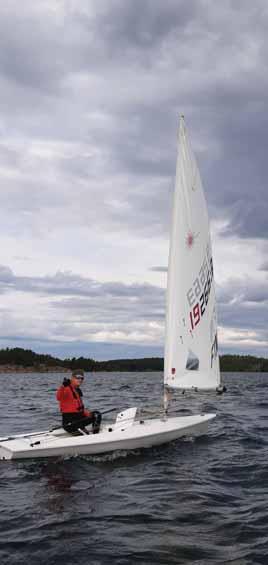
135	436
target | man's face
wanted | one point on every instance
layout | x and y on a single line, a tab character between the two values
77	380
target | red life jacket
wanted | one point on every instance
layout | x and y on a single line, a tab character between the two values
70	400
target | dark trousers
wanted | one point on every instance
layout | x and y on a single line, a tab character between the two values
73	421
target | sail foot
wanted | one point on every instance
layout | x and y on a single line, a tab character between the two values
193	380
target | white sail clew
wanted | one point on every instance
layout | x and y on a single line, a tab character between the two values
191	351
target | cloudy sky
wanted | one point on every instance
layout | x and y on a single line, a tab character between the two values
90	95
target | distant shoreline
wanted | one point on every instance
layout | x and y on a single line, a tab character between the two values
18	360
32	369
25	370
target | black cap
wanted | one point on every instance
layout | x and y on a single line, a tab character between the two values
78	373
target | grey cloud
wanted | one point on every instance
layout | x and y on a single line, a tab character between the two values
90	101
31	46
242	344
264	266
231	103
258	295
243	316
118	310
80	307
159	269
209	61
133	29
6	275
9	157
242	291
261	338
243	307
69	284
7	279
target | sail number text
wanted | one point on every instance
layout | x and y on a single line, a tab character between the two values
199	292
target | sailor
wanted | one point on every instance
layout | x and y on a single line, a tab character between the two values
74	415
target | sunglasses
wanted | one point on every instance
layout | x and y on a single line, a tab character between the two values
80	378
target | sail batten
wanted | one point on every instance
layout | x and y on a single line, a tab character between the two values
191	347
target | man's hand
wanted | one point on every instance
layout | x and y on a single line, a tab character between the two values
66	382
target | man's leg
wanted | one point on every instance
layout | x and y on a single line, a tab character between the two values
96	422
94	419
74	422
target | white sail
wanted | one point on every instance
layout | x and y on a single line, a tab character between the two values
191	351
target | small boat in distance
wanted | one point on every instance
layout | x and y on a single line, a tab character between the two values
191	351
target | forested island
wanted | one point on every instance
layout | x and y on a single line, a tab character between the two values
24	360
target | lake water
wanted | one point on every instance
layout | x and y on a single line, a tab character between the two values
200	501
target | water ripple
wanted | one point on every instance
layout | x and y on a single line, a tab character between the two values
199	500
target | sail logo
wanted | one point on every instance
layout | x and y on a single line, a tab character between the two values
190	239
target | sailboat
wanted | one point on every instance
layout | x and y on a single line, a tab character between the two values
191	350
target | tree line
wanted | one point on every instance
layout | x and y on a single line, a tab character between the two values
26	358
